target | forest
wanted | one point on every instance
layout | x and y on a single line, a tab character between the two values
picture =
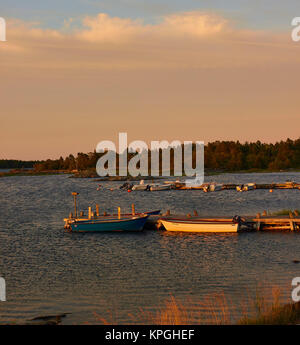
219	156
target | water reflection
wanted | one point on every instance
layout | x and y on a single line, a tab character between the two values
50	271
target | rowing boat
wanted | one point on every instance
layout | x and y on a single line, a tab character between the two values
160	187
198	225
133	223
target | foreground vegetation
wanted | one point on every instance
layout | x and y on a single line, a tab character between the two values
216	309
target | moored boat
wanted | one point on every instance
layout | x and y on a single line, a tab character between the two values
245	187
133	223
70	220
249	186
198	225
141	186
212	187
160	187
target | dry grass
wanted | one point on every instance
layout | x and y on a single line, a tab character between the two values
272	312
217	309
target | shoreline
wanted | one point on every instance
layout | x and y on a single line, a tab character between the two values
93	175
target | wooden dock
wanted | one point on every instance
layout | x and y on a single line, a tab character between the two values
270	223
254	223
233	186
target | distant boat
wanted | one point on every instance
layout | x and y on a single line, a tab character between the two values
133	223
212	187
246	187
141	186
160	187
198	225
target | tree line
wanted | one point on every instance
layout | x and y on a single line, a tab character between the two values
17	164
219	155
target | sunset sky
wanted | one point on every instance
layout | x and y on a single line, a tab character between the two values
75	72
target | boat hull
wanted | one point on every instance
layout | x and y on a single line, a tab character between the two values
197	226
111	225
140	187
160	188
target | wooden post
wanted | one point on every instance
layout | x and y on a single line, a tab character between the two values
90	212
296	213
189	215
70	215
119	212
75	206
81	214
258	224
133	209
104	214
292	224
168	213
265	213
195	213
97	210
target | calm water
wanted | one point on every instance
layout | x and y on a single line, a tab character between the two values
49	271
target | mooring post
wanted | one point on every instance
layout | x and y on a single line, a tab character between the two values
133	209
97	210
195	213
119	212
90	212
258	223
292	224
75	206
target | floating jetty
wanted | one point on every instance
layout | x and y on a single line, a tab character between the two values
242	187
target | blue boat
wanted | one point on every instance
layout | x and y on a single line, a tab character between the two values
133	223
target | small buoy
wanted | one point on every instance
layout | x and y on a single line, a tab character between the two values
271	190
129	190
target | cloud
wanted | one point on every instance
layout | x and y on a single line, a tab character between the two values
104	28
195	74
194	24
188	40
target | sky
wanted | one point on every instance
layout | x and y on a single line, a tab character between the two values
76	72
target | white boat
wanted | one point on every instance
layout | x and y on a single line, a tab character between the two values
245	187
249	186
159	187
240	187
141	186
212	187
189	225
